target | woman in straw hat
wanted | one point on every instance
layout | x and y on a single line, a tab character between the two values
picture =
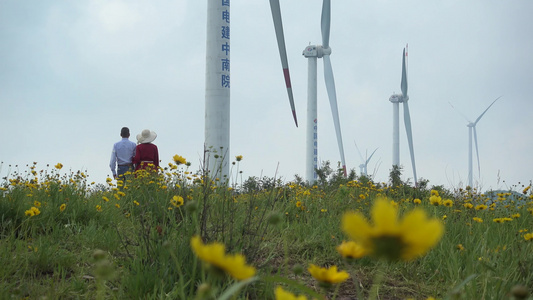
146	153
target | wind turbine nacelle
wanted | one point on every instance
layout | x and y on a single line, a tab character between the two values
316	51
397	98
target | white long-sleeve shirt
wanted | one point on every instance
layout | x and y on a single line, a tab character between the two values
122	154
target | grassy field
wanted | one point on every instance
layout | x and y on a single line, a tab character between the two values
64	237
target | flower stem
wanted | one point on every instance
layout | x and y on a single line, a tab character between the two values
378	279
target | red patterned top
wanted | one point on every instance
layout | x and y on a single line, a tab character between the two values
146	154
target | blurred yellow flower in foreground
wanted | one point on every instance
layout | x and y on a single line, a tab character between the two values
388	237
528	236
328	275
214	255
281	294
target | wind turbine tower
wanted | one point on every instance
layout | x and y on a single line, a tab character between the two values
217	89
396	99
217	86
312	53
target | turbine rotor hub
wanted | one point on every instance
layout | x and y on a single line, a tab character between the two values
316	51
397	98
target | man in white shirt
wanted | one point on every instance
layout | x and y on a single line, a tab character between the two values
122	154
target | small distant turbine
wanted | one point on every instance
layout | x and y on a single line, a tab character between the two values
472	129
363	167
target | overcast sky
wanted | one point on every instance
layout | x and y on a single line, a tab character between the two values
72	73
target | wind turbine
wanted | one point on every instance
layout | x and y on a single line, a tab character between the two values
472	129
363	166
396	99
278	26
312	52
217	84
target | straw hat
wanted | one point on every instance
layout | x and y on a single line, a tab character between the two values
146	136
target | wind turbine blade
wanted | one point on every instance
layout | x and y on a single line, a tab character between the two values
326	22
370	156
404	76
478	118
407	120
278	25
477	151
360	155
330	87
459	112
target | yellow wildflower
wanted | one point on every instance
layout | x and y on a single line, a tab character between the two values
238	157
481	207
176	201
98	208
59	166
528	236
351	250
214	255
281	294
33	211
36	203
417	201
468	205
62	207
479	220
460	247
389	237
435	200
328	276
526	189
448	203
135	202
179	159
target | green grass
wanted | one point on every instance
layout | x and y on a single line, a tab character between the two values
133	243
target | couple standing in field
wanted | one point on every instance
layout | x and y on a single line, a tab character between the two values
126	156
